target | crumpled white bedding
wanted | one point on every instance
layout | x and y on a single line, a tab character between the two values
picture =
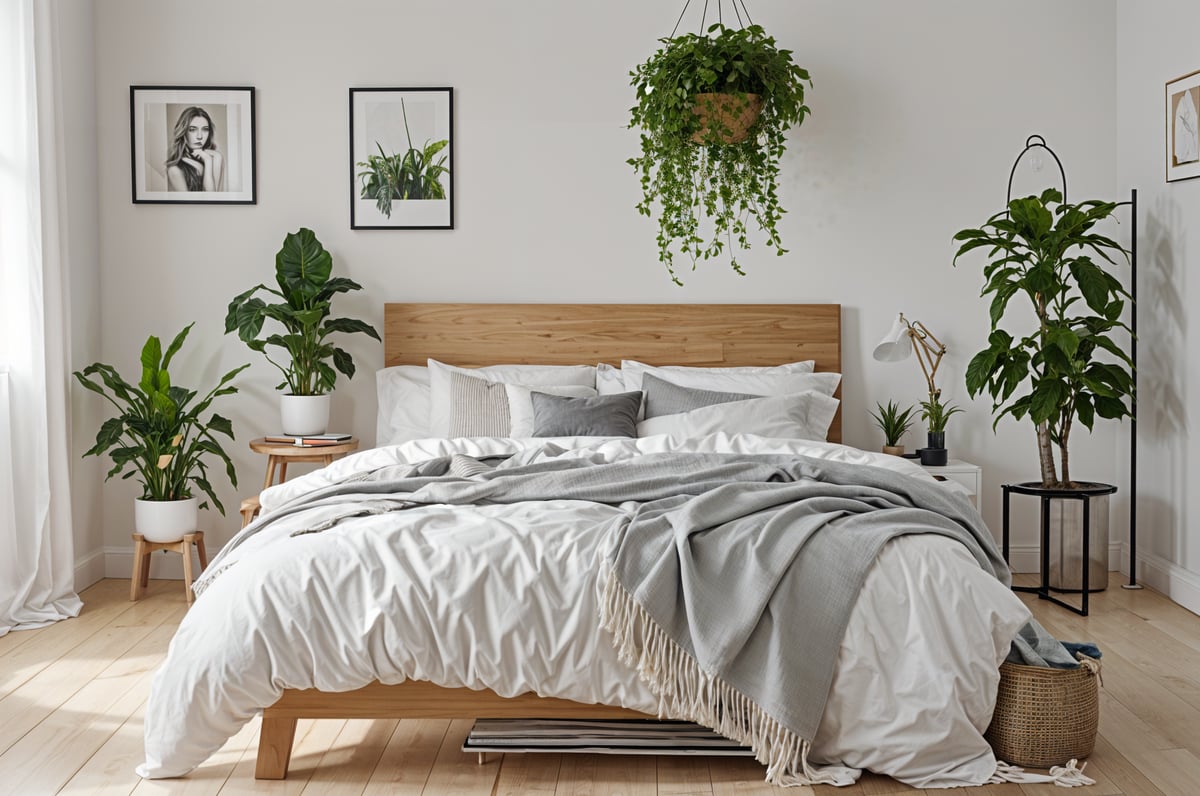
504	597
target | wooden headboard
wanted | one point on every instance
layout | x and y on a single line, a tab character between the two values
702	335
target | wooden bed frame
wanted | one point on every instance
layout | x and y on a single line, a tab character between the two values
474	335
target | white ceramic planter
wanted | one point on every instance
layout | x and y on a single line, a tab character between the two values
165	520
304	414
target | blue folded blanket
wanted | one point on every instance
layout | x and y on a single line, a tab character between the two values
1034	646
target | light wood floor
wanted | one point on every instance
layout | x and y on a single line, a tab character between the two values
72	696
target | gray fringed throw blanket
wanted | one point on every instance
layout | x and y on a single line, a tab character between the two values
721	591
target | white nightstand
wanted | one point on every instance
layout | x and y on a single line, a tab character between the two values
965	473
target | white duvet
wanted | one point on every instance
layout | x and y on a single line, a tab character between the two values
504	597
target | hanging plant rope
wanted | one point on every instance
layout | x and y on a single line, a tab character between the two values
713	109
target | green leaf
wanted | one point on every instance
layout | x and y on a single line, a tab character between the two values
1046	400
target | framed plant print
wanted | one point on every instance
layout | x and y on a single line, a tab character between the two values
401	158
1183	131
192	144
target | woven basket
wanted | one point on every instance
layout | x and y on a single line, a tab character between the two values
1045	717
725	118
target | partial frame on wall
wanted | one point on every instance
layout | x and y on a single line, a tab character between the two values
1183	127
192	145
401	158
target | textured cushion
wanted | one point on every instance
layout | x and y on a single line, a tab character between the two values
802	416
599	416
531	375
665	398
478	408
520	404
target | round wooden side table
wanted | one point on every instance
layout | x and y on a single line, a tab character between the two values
280	453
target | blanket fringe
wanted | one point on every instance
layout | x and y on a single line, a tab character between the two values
1067	776
684	690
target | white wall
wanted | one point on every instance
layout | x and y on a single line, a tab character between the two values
918	111
1156	43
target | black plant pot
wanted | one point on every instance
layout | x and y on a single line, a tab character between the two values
936	439
934	457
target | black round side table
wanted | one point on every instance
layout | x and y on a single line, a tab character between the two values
1084	492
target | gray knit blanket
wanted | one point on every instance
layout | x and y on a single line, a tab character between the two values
731	585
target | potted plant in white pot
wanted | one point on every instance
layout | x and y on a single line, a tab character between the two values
1066	358
160	437
303	271
714	110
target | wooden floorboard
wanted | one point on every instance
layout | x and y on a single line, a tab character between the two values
73	696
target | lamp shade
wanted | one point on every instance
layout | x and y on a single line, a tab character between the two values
896	344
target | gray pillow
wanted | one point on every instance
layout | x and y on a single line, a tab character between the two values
665	398
597	416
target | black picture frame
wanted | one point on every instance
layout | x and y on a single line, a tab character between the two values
387	124
1183	127
157	136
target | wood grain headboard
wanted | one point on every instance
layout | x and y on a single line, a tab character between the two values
702	335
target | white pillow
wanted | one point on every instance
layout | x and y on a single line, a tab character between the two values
763	381
805	415
520	405
609	380
528	375
403	395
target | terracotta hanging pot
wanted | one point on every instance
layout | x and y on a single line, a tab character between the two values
725	118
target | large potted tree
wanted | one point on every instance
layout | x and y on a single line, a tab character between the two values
304	274
1067	364
713	111
160	437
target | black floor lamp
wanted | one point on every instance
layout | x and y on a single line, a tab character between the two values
1037	142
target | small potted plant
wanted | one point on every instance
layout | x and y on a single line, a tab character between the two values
159	437
303	271
936	415
713	111
894	423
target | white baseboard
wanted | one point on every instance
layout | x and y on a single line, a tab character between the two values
1027	557
1179	584
90	568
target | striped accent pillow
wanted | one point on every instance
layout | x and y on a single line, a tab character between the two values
478	407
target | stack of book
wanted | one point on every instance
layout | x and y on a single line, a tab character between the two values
598	736
310	441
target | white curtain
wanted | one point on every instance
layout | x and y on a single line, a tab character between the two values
36	546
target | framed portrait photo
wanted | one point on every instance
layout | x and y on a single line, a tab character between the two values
192	145
401	158
1183	131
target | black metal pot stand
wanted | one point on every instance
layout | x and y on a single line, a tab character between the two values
1085	492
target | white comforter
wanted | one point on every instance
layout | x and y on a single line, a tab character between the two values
504	597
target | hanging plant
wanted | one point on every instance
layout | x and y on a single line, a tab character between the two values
705	152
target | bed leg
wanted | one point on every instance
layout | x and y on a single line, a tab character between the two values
274	748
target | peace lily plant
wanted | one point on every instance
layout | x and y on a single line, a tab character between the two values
160	437
697	161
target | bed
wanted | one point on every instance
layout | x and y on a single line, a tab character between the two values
716	336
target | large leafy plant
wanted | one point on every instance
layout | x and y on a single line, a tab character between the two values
158	434
1072	367
303	272
726	182
414	174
